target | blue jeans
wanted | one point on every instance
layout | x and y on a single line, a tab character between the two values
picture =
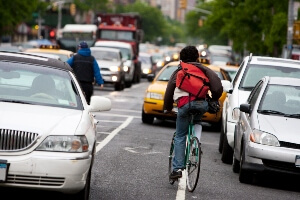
182	126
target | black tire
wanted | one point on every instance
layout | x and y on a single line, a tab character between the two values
84	194
221	139
120	86
244	175
128	84
227	152
147	119
235	165
171	155
193	165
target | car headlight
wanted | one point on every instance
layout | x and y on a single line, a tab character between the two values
264	138
125	68
153	95
146	71
114	68
168	58
160	64
64	144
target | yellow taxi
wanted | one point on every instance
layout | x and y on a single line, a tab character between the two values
154	96
64	55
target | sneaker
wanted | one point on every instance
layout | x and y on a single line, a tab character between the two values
176	174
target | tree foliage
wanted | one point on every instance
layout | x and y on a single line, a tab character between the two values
13	13
258	26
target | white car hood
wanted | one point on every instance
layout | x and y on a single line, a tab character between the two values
285	129
39	119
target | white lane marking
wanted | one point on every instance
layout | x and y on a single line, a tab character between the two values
110	121
181	187
117	115
136	111
113	134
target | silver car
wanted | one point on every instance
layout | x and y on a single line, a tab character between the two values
267	133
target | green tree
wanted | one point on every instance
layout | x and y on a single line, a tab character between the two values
13	13
95	5
258	26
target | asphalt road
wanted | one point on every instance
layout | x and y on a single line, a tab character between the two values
132	160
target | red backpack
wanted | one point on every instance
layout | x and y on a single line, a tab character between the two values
192	80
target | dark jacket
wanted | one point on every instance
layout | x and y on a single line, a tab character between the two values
86	54
215	85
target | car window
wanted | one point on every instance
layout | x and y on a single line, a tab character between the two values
254	73
281	98
166	73
145	59
105	55
30	84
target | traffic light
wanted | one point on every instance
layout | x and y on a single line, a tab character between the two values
52	33
72	9
183	4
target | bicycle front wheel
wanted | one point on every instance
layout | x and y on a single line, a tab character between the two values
193	164
171	155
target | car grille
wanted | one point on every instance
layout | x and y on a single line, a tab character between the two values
11	140
35	180
291	167
289	145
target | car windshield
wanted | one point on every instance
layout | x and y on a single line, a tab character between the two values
254	73
145	59
30	84
117	35
124	51
166	73
281	100
105	55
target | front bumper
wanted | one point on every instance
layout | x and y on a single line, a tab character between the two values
155	108
263	158
62	172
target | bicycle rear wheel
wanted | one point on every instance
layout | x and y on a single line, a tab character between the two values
171	155
193	164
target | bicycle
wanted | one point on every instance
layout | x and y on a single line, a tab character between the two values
193	155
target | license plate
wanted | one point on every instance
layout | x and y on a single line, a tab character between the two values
297	162
3	170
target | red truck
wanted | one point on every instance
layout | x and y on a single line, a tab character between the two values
124	27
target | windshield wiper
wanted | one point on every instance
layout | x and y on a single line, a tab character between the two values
163	80
270	112
292	115
15	101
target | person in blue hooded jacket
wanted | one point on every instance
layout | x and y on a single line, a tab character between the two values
86	70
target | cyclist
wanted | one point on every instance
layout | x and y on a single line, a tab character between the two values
186	101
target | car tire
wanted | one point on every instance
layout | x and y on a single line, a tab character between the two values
147	119
120	86
244	175
235	165
221	140
227	152
128	84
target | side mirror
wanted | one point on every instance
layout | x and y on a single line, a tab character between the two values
99	104
150	77
226	85
245	107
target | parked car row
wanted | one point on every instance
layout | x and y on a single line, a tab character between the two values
260	116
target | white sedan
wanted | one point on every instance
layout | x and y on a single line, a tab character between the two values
47	129
267	132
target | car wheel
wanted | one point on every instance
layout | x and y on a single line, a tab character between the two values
147	119
227	152
128	84
120	86
222	132
244	175
235	165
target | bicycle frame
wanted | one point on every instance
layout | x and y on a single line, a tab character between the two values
188	140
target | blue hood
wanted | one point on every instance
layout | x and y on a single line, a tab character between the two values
84	52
